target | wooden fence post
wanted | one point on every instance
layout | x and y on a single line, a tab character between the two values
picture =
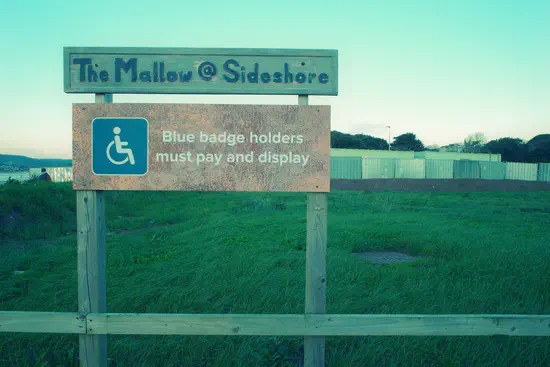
92	294
316	253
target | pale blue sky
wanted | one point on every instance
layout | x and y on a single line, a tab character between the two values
440	69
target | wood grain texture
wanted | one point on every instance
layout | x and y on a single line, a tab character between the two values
186	60
42	322
92	292
91	271
288	324
316	251
319	325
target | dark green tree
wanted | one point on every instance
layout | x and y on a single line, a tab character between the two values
510	149
407	141
359	141
539	149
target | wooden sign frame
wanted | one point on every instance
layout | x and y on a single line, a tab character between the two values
150	70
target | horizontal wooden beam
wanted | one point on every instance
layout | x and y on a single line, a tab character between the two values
298	325
42	322
318	325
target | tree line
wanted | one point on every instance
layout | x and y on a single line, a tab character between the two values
510	149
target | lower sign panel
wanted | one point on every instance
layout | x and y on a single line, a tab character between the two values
201	147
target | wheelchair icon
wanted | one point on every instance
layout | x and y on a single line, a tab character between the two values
119	149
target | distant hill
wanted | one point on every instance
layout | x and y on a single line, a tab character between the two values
8	161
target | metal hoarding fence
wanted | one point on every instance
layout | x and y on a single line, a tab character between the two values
521	171
378	168
410	168
438	169
346	168
493	170
466	169
544	172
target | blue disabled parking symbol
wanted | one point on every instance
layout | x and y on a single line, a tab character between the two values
120	146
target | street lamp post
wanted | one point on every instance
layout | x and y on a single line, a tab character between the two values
389	137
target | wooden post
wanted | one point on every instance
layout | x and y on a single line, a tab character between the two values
92	294
316	253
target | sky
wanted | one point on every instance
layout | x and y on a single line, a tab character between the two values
439	69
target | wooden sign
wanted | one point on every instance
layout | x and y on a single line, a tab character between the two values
200	71
201	147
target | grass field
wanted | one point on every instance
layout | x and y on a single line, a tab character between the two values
245	253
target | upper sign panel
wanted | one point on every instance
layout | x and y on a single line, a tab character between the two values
200	71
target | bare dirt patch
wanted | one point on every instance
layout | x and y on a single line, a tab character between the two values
386	257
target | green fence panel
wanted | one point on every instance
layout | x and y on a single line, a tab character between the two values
521	171
437	169
349	168
466	169
410	168
378	168
544	172
493	170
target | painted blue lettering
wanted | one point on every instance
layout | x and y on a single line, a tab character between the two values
288	75
300	77
126	67
227	67
162	80
253	76
145	76
82	63
323	78
104	76
172	76
266	77
92	74
185	77
278	77
155	72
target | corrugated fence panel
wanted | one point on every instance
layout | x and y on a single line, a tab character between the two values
466	169
410	168
521	171
493	170
437	169
346	168
378	168
544	172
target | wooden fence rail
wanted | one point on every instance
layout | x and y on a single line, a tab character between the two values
267	324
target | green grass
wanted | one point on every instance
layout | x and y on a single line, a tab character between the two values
245	253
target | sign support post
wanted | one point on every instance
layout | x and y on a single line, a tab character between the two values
316	252
92	294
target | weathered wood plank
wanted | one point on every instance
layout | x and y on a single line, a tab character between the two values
92	295
316	254
318	325
42	322
314	346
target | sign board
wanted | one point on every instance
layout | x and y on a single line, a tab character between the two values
201	147
200	71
